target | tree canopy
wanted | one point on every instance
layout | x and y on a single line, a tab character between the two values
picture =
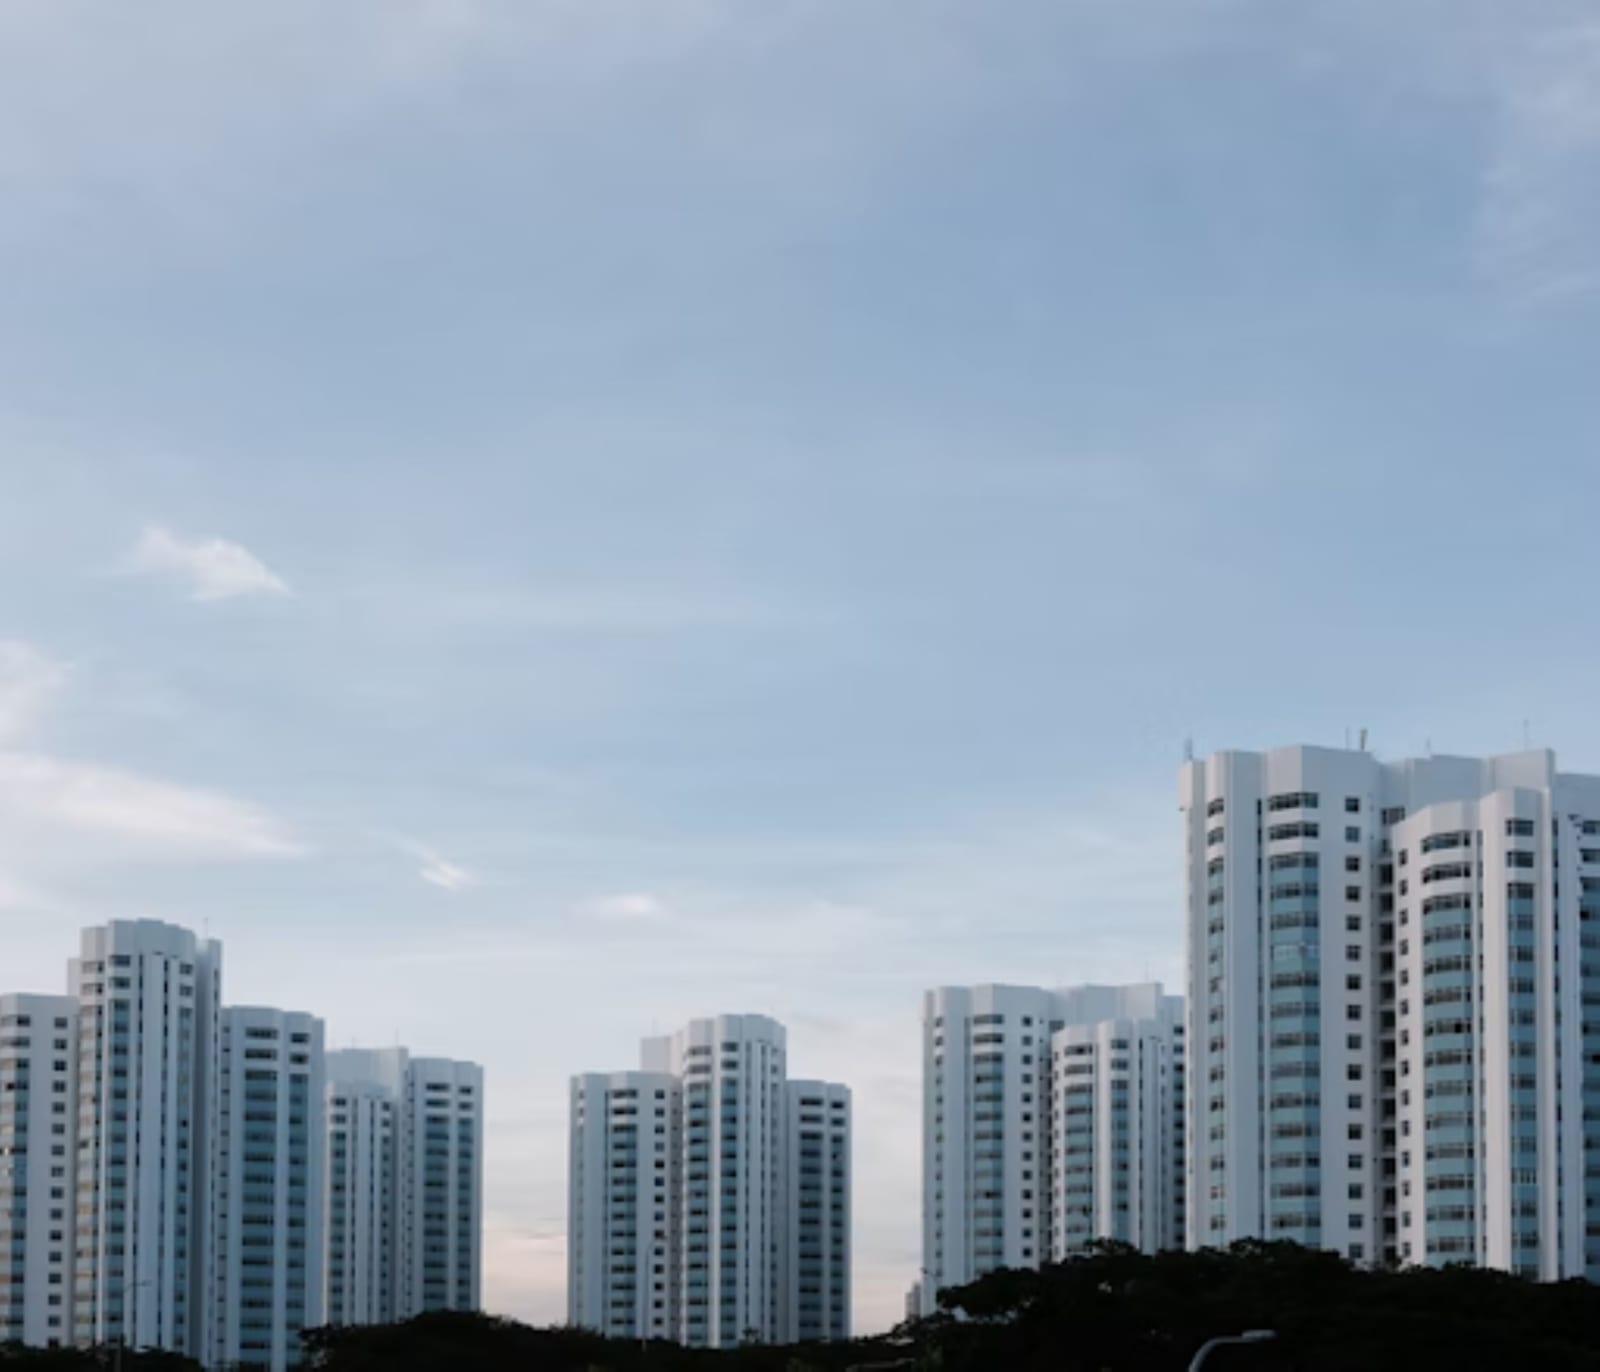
1112	1310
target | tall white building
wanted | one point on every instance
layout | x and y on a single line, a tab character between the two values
1394	1009
38	1116
737	1259
267	1210
148	1009
622	1239
364	1090
439	1213
404	1166
1050	1118
815	1293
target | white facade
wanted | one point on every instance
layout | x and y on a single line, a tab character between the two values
38	1115
1031	1112
738	1263
1116	1139
364	1090
147	1067
622	1231
1394	1013
733	1070
404	1159
267	1217
817	1189
439	1212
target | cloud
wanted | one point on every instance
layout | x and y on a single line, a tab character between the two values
435	869
29	682
628	908
1542	185
36	790
214	568
447	876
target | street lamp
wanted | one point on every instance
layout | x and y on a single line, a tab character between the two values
1249	1336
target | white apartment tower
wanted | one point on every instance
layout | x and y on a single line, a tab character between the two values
147	997
38	1116
1394	1008
1116	1109
404	1167
815	1295
622	1258
1050	1118
364	1088
733	1070
439	1190
700	1230
267	1209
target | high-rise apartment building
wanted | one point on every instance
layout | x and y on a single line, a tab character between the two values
439	1214
1394	1006
744	1166
364	1090
38	1118
148	1009
1050	1118
814	1301
622	1237
404	1150
267	1194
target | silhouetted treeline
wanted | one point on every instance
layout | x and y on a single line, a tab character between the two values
1114	1310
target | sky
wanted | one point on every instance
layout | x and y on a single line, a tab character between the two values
534	520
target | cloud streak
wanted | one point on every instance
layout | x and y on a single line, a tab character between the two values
37	790
30	681
212	569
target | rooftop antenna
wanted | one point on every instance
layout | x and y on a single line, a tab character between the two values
1347	738
1363	740
1188	748
1527	737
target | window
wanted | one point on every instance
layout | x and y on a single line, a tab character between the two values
1293	800
1519	828
1352	863
1352	833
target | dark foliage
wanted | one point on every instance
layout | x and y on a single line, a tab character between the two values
14	1358
1114	1310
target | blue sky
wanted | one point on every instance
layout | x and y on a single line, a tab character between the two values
535	520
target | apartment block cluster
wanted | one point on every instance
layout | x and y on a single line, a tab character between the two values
206	1179
710	1194
1389	1046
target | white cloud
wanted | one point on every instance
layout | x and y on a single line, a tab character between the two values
447	876
213	568
41	791
29	682
628	908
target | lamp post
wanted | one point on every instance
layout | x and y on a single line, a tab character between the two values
1249	1336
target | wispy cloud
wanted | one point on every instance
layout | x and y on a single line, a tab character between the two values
40	790
632	907
29	681
41	793
436	871
1542	185
212	568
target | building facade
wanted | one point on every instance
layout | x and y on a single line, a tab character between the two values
733	1131
1050	1118
404	1194
439	1188
364	1090
267	1208
622	1237
38	1119
148	1007
815	1292
1394	1010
